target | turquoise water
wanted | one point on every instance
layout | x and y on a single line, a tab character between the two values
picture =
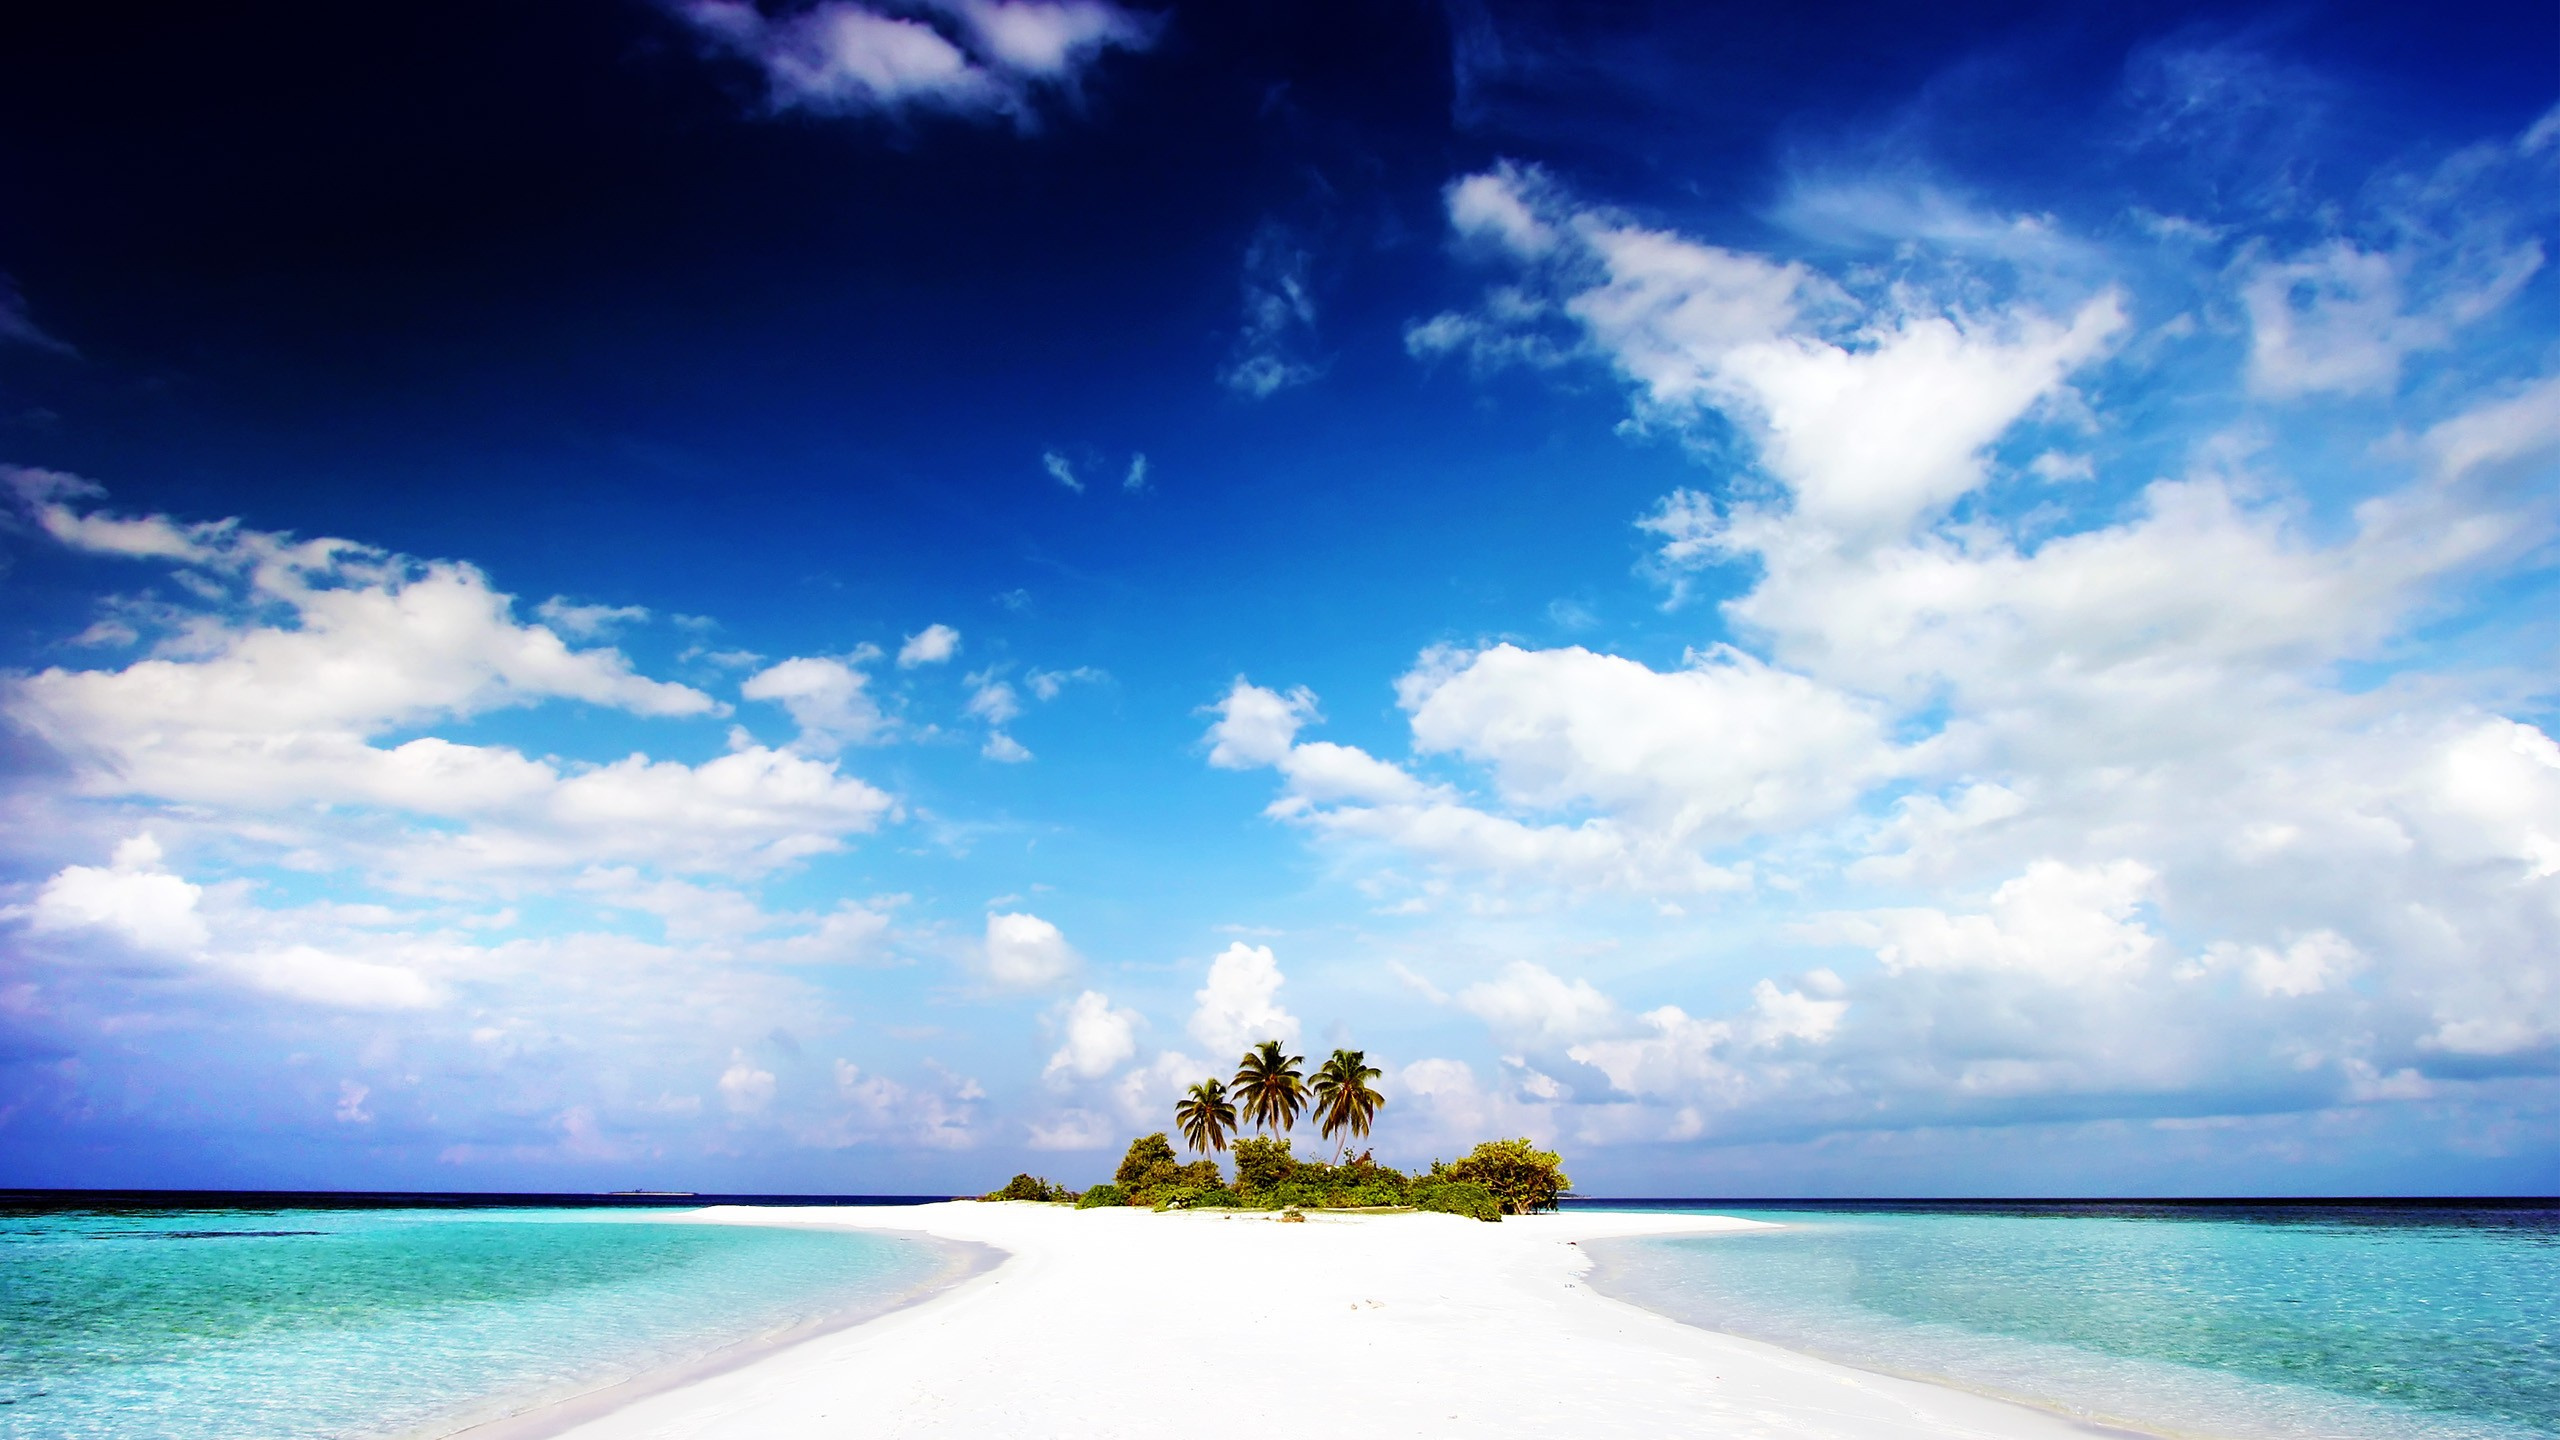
276	1325
2357	1325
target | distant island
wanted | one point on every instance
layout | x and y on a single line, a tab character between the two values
1496	1178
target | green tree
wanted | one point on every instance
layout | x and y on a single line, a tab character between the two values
1030	1187
1345	1103
1269	1085
1206	1116
1263	1164
1145	1154
1524	1178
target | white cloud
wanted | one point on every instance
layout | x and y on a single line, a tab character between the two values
828	698
1048	685
265	694
932	645
1062	470
1528	1001
1256	727
1658	767
1072	1130
1024	951
2062	922
992	700
1240	1006
745	1088
1146	1093
1347	793
1004	749
2308	966
140	904
1094	1038
1136	478
2338	318
850	934
983	57
2153	853
588	622
307	972
1725	747
878	1108
133	898
1491	206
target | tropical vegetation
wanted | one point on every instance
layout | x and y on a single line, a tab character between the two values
1346	1104
1496	1178
1206	1116
1269	1085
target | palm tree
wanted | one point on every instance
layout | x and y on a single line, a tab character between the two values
1344	1101
1206	1115
1267	1081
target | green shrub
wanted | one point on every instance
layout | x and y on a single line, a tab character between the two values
1373	1190
1187	1197
1292	1194
1201	1175
1030	1187
1145	1153
1456	1197
1524	1178
1262	1163
1105	1193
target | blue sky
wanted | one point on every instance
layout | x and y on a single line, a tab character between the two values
844	597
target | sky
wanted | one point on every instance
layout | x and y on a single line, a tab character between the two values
845	597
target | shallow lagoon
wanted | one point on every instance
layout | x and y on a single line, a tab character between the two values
264	1325
2372	1323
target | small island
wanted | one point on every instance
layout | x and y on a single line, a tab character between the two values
1270	1092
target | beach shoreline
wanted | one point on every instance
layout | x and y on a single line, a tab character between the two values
1129	1323
539	1417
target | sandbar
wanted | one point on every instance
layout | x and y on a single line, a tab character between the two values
1117	1322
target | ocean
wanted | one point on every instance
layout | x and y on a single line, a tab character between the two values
281	1323
2244	1322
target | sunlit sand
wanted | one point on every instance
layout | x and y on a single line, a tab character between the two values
1120	1322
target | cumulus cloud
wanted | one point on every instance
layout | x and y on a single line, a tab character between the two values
1608	775
965	57
1093	1038
932	645
269	691
1240	1006
136	902
2083	818
745	1088
132	898
1025	952
992	700
830	699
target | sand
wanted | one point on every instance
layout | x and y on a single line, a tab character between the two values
1129	1323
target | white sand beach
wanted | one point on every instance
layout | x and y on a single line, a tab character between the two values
1129	1323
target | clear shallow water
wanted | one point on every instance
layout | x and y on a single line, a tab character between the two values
2358	1325
277	1325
